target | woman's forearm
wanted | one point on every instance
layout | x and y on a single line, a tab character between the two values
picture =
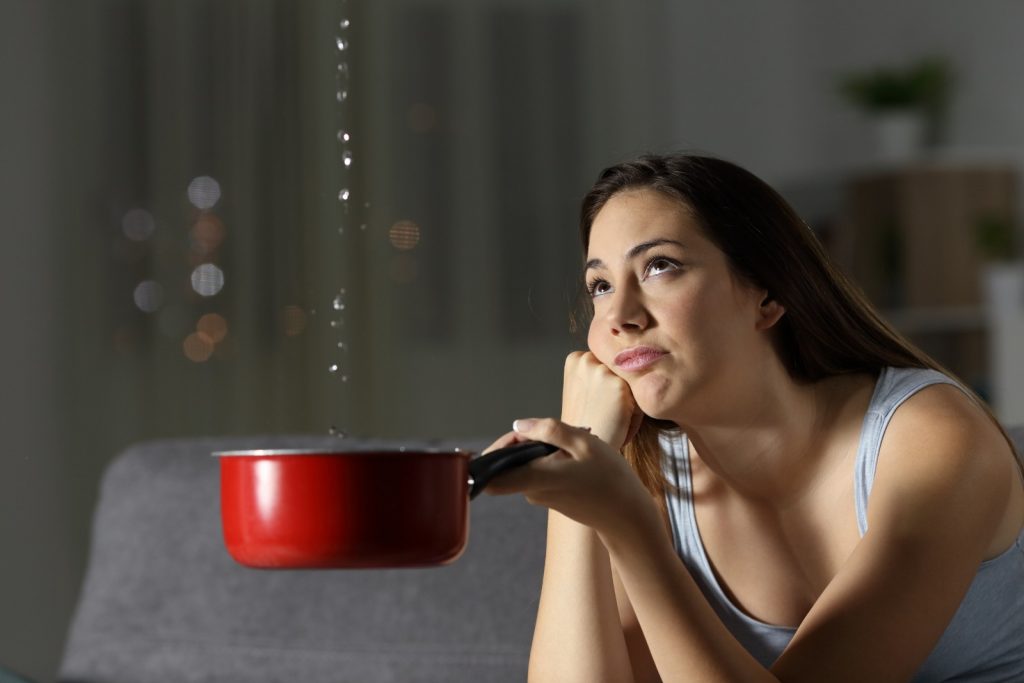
578	636
686	638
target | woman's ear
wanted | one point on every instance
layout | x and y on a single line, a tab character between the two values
769	313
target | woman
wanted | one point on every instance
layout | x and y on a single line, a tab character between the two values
749	386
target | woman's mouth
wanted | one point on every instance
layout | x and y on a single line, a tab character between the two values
638	357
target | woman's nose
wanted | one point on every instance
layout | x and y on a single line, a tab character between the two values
627	312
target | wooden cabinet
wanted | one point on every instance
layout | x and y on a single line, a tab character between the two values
911	235
910	238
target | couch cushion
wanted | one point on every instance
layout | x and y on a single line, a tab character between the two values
162	600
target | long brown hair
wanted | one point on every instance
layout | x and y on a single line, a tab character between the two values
829	327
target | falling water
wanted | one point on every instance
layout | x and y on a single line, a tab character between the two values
337	365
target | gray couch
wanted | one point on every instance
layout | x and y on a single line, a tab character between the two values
162	601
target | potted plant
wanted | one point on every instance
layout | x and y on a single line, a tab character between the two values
906	104
1003	273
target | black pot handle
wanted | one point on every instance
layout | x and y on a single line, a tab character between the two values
487	467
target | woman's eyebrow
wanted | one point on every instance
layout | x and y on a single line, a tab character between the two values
636	251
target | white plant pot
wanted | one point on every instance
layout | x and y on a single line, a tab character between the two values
899	135
1003	286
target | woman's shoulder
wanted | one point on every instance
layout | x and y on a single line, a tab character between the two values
943	413
942	450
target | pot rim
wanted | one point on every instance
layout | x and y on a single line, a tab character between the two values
409	452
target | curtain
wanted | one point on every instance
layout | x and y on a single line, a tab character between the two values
203	194
189	174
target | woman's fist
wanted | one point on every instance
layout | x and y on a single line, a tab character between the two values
595	397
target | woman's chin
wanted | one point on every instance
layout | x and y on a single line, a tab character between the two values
652	397
658	412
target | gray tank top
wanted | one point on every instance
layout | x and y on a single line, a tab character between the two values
984	643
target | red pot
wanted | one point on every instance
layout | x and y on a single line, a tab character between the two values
290	509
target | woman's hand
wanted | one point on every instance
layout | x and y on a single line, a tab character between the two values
595	397
587	480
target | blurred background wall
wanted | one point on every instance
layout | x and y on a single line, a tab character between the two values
178	230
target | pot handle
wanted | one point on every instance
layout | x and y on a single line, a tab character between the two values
486	467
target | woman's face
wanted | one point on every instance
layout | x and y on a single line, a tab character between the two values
669	317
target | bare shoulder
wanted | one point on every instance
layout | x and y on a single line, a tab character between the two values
947	430
944	412
944	460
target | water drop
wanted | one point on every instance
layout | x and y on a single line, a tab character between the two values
346	158
343	136
342	95
366	205
341	345
337	323
312	311
345	23
333	368
342	44
343	69
401	449
341	230
363	226
343	195
334	431
339	305
344	378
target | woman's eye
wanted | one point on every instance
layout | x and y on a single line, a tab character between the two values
598	287
660	265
